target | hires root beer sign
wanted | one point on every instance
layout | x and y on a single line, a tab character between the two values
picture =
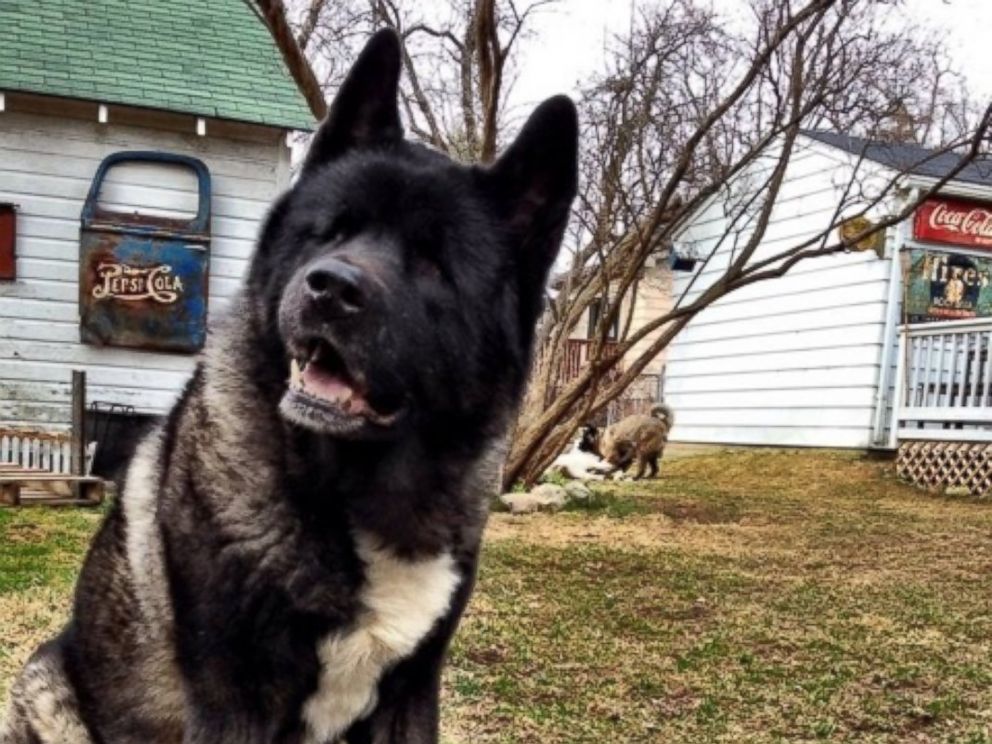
955	222
942	285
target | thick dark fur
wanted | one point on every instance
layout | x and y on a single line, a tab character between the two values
637	438
233	549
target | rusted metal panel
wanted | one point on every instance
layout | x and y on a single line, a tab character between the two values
143	278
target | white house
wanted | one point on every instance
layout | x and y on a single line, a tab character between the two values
79	81
823	356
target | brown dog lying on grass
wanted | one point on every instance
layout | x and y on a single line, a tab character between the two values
638	437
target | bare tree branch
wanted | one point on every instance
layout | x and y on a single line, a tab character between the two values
309	24
690	116
274	13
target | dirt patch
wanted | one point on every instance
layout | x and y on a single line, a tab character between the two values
700	513
568	528
655	531
26	534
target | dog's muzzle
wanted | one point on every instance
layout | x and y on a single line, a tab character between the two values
321	314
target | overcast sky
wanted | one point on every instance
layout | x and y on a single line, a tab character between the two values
572	37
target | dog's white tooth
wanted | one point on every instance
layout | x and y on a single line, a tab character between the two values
295	373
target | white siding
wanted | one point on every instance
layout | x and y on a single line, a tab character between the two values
790	361
46	165
653	299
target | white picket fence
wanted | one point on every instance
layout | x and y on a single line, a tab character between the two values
944	384
49	451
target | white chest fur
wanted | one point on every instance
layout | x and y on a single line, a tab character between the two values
401	600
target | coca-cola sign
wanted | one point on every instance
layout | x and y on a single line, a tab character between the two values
955	222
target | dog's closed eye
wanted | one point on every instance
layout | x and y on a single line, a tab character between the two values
343	225
427	267
426	259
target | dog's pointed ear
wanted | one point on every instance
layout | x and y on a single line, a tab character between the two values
535	180
366	110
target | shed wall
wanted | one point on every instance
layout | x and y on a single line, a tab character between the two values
789	361
46	165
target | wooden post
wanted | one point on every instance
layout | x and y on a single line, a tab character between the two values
78	457
900	388
10	494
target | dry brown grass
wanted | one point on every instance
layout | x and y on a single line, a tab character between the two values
746	596
762	596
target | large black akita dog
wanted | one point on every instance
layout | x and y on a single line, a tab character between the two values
294	547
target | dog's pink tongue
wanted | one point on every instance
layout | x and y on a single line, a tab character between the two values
325	385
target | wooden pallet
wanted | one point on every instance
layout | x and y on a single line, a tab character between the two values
938	465
23	487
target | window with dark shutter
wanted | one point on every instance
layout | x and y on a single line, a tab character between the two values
595	314
8	235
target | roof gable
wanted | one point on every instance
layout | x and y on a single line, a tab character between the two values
909	158
210	58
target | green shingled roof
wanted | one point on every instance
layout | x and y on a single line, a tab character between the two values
204	57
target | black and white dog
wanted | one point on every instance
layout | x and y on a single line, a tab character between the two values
294	547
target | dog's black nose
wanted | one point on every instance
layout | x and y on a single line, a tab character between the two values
336	286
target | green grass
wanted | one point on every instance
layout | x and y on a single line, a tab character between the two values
748	596
40	553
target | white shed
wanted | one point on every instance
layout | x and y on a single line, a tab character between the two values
79	81
812	358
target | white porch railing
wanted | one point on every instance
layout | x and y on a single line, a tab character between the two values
35	450
944	381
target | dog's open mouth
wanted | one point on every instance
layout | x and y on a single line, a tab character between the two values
325	395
